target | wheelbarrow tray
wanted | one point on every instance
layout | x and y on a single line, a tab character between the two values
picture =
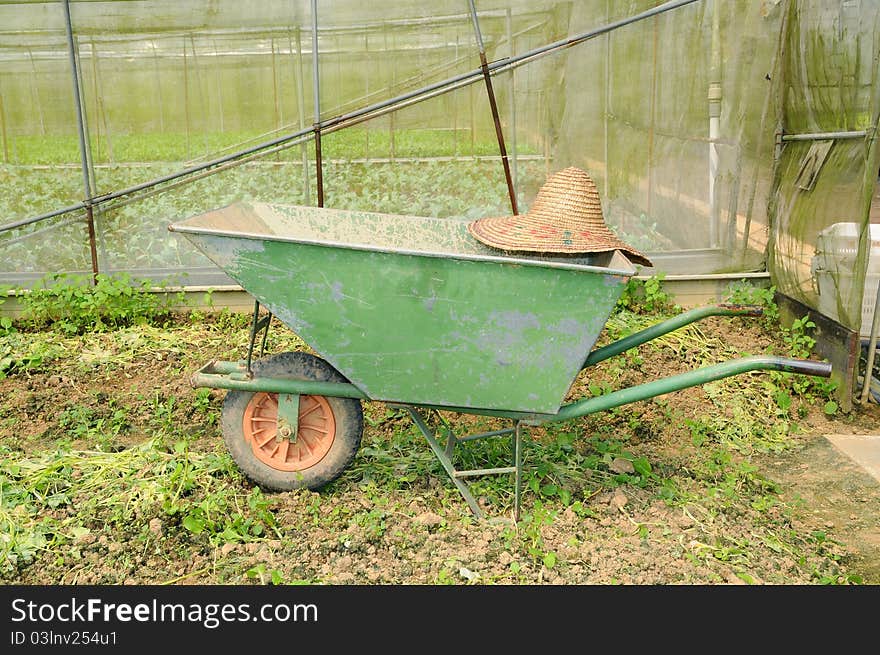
413	309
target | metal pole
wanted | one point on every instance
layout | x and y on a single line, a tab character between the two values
83	145
300	103
651	124
391	118
101	246
823	136
186	100
607	102
473	117
3	131
455	110
692	378
218	77
160	102
872	349
512	98
775	66
200	88
664	327
97	101
872	156
34	93
447	464
275	87
517	463
367	92
341	100
775	171
494	107
100	109
714	98
317	97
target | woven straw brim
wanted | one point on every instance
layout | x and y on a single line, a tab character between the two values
521	233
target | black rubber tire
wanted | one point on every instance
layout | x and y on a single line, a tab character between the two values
347	413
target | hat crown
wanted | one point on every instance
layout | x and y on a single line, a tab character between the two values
569	193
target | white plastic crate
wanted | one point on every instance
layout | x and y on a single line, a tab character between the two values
833	270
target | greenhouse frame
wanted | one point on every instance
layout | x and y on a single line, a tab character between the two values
729	139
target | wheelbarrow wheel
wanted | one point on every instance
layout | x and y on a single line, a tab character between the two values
328	436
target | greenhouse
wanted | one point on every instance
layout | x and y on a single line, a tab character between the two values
325	293
727	140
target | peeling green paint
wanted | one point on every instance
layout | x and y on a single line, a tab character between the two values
432	325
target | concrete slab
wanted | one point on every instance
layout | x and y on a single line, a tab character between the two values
832	492
864	449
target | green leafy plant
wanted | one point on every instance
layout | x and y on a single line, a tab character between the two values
798	341
6	323
273	577
20	355
73	305
99	428
744	292
645	296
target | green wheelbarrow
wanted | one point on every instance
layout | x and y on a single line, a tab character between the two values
413	312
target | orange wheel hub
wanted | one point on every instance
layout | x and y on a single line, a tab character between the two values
317	430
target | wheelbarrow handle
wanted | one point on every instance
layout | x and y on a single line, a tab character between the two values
804	367
658	330
689	379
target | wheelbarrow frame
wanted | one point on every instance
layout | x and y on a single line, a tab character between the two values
239	376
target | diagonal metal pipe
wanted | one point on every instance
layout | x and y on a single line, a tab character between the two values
493	106
83	144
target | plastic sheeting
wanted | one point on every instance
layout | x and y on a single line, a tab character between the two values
831	67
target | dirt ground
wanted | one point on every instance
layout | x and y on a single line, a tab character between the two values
795	512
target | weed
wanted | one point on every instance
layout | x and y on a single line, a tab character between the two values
203	407
273	577
73	305
229	321
56	503
646	297
744	292
528	535
23	354
222	523
47	501
391	463
95	427
163	418
445	577
798	343
6	324
372	523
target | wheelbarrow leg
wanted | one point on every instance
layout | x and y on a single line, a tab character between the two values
258	325
446	462
517	464
444	455
446	429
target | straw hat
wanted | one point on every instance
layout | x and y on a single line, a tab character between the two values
566	217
